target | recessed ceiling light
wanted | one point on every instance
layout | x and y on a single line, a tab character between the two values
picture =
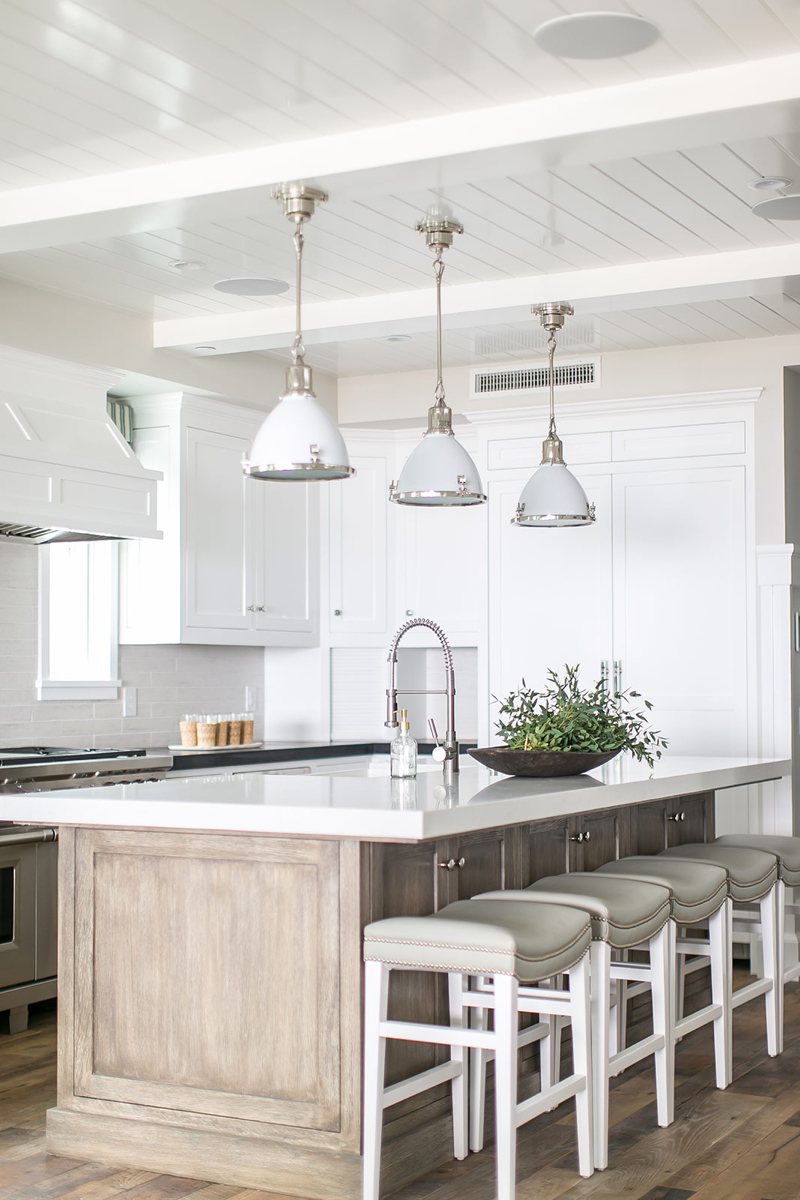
769	183
397	337
779	208
205	349
185	264
251	286
595	35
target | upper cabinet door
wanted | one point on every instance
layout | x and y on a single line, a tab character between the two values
680	602
285	533
358	555
441	570
549	591
217	586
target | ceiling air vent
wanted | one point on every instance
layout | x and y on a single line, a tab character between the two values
534	377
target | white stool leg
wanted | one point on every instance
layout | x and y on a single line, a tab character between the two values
506	1024
680	981
376	996
769	938
550	1047
582	1053
780	950
618	1033
719	936
459	1018
662	990
477	1081
601	1002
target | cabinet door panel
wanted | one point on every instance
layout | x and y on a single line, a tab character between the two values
548	850
483	856
549	591
600	842
441	563
216	578
680	602
358	558
286	533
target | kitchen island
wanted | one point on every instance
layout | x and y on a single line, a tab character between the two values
210	947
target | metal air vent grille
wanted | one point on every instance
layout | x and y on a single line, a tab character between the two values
36	535
530	377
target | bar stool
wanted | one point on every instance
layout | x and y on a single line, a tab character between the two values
699	895
787	851
752	876
624	913
465	939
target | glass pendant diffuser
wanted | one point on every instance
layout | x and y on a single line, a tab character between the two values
552	496
298	440
438	472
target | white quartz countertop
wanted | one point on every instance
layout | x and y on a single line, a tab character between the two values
377	808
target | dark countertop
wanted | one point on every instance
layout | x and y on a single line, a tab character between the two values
278	752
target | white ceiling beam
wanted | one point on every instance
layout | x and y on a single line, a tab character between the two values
599	124
721	275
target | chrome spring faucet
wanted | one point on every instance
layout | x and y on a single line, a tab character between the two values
450	739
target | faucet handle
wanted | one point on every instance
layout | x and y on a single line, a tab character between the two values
438	754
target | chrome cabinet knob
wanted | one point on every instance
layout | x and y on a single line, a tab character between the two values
581	837
678	816
261	608
409	612
452	865
337	612
251	608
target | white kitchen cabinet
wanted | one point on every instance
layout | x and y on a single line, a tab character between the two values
680	601
658	587
238	564
358	556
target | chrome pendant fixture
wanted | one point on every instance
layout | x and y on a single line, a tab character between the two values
298	440
438	472
552	497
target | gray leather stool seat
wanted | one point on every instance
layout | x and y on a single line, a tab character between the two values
698	889
751	873
785	849
481	937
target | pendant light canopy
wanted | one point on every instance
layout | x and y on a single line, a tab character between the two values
298	440
553	496
438	472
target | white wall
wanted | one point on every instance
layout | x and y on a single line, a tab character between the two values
753	362
170	680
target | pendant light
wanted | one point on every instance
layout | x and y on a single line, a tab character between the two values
298	440
438	472
552	496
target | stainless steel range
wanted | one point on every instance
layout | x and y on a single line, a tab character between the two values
29	862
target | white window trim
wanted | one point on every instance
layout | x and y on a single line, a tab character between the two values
78	689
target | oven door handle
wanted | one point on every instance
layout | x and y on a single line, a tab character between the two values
24	839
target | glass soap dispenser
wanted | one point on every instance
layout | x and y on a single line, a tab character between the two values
403	750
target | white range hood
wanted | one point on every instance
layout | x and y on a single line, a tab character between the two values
66	472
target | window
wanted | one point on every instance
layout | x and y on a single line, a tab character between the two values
78	642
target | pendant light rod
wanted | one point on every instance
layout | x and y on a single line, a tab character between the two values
299	205
438	270
298	349
551	348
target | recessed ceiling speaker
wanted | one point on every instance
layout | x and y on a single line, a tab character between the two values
779	208
595	35
251	286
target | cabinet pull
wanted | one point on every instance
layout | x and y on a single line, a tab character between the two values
604	672
337	612
452	865
581	837
678	816
617	675
261	608
251	608
409	612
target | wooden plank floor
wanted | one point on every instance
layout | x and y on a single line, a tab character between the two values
742	1144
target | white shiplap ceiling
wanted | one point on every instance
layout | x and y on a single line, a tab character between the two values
91	89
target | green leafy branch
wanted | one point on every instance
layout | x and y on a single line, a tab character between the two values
567	717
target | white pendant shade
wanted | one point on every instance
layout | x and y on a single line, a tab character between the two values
438	471
553	497
298	440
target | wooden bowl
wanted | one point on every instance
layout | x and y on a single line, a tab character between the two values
540	764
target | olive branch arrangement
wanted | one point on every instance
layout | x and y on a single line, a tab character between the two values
567	717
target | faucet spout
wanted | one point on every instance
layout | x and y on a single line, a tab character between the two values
450	740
